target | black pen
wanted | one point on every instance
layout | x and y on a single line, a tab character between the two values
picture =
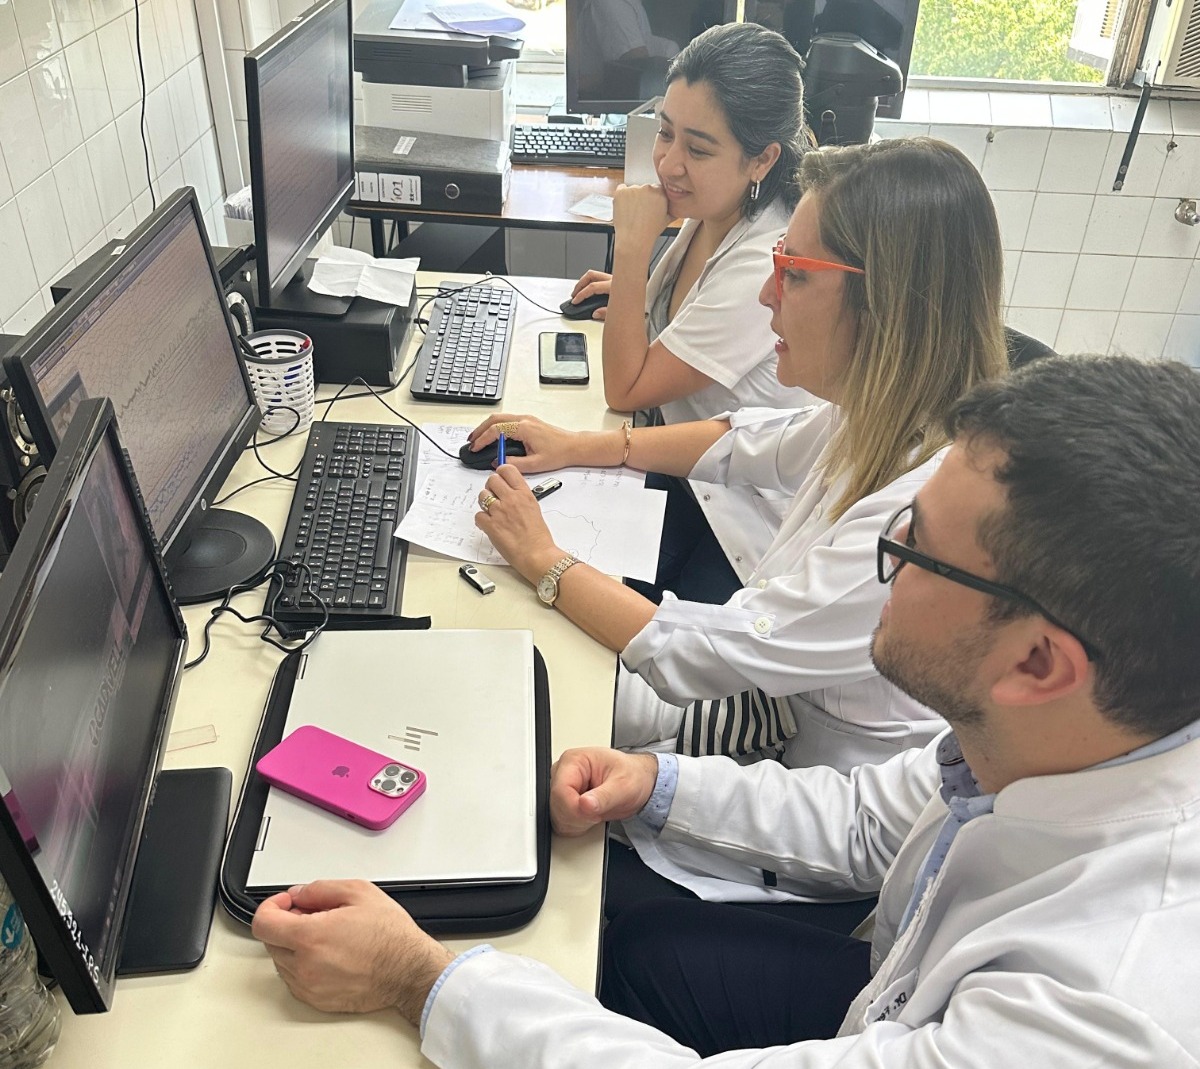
545	489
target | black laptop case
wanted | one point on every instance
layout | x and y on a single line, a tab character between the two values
447	911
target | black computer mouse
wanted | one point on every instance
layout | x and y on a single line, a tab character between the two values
486	456
585	308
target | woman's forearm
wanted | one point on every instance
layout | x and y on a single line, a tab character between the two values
671	450
605	608
625	340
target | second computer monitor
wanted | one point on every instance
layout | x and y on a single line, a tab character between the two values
299	102
152	333
617	51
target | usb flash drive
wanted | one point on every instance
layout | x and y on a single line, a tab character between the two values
476	578
544	489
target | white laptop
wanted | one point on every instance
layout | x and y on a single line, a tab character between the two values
458	705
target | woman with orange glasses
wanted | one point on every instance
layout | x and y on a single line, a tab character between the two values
885	298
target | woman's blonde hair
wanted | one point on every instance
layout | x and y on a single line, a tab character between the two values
916	216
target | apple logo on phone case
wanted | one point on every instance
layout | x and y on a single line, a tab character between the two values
342	770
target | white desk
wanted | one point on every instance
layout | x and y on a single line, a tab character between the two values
233	1010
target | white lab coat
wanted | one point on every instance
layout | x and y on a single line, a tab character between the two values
1060	932
721	330
801	630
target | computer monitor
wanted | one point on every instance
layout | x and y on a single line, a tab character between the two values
151	331
886	25
91	652
299	102
617	51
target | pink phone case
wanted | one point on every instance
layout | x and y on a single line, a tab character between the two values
336	774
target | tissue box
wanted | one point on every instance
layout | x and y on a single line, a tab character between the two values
641	127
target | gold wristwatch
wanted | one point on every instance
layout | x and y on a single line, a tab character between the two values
547	588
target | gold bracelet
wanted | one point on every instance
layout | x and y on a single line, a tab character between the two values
628	429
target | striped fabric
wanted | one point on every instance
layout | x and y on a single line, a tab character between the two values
740	724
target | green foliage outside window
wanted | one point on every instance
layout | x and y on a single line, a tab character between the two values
1025	41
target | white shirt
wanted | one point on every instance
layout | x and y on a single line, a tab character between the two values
721	330
800	630
1058	932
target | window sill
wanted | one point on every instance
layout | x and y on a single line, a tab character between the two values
1111	111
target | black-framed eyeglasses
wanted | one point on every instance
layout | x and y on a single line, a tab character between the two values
892	555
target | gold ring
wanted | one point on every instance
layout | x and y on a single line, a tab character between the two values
486	503
509	426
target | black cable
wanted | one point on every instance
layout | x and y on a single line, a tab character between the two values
378	395
137	40
275	571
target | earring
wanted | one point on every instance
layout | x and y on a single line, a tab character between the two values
754	190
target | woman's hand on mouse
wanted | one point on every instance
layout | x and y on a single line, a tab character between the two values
546	447
513	521
593	284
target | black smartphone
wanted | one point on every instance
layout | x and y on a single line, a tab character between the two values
562	358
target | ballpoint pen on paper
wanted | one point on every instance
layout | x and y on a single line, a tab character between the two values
546	488
500	458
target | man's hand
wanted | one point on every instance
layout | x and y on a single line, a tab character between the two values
594	785
343	946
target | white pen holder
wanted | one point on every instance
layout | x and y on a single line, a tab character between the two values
281	372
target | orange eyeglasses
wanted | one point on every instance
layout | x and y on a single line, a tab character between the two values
783	262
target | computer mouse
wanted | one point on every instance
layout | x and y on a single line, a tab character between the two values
585	308
486	456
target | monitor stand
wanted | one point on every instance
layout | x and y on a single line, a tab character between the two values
225	549
174	887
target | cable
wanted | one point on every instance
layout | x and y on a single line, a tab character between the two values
275	571
137	39
378	395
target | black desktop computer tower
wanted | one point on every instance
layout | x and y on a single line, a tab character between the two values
353	338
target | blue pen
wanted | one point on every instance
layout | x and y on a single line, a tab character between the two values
500	451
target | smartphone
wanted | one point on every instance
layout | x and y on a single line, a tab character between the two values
562	358
361	785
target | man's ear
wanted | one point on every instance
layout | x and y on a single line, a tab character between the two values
1047	664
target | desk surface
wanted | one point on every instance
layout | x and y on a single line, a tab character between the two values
233	1010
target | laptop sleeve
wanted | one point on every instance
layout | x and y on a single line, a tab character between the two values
440	911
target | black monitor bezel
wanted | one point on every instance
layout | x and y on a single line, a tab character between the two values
92	428
598	106
269	290
19	363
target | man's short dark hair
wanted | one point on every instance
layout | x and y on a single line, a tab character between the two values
1102	524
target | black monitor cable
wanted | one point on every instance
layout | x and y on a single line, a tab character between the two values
275	573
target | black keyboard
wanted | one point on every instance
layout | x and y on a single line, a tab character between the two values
465	352
356	482
570	143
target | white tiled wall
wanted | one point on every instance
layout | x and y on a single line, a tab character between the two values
73	172
1086	268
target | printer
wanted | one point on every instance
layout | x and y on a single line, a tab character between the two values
432	81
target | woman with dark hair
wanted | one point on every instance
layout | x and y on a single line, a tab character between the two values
692	341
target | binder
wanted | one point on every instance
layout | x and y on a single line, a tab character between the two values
434	172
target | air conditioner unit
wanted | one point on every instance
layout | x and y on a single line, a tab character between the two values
1172	56
1091	40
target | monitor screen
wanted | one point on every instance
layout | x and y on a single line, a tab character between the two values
85	701
299	102
887	25
152	333
617	50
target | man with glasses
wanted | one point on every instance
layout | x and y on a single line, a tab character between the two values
1038	866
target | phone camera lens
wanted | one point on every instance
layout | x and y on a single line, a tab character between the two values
391	770
388	785
407	776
